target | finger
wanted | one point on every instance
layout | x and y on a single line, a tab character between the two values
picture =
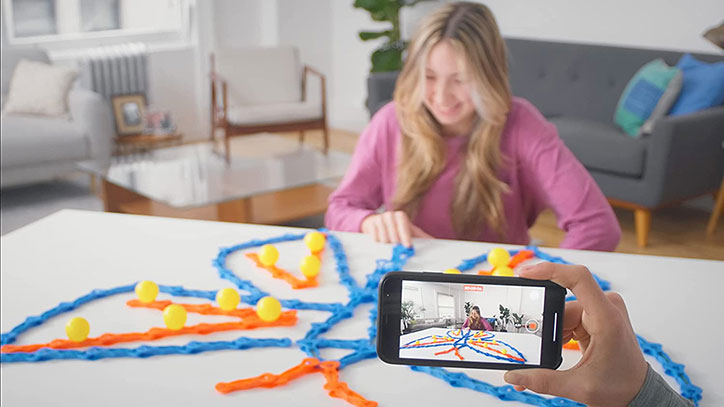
545	381
384	237
579	280
403	227
375	231
572	316
391	227
417	232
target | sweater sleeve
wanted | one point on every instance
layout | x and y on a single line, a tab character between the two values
559	181
656	392
360	193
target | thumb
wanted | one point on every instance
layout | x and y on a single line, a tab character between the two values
543	381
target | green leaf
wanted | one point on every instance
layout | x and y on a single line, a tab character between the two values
370	35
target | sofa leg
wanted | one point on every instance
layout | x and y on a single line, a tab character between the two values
642	218
717	212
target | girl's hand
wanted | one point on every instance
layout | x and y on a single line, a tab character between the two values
392	227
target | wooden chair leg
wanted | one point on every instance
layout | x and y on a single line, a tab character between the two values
325	132
301	136
642	218
227	147
716	213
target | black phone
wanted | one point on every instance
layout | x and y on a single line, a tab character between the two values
471	321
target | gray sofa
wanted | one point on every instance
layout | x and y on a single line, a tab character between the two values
577	88
36	149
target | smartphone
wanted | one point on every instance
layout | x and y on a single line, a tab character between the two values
469	321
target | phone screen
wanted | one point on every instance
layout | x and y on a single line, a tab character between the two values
482	322
471	322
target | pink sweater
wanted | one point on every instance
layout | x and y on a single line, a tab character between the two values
542	173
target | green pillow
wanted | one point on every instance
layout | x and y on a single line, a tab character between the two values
648	96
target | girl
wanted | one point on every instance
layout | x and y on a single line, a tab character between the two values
455	156
475	322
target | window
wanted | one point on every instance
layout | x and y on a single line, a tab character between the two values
34	21
445	306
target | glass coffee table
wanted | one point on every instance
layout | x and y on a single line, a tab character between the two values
270	179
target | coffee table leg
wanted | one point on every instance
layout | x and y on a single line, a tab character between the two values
234	211
114	197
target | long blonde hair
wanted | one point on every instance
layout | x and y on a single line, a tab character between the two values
472	31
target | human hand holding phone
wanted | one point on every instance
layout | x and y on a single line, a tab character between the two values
392	227
612	368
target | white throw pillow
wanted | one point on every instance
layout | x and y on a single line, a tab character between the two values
40	89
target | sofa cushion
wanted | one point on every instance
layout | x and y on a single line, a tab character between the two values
31	140
703	86
40	89
648	96
601	146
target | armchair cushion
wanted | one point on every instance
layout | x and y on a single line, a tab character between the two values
274	113
34	140
257	76
602	147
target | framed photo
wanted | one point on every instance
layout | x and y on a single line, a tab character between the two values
129	112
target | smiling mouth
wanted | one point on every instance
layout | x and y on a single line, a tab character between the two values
448	110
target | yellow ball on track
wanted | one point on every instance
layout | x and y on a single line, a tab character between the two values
310	266
498	257
504	271
268	309
452	271
268	255
315	241
77	329
504	351
228	299
174	316
147	291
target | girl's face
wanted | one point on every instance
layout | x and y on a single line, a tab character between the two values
447	92
474	314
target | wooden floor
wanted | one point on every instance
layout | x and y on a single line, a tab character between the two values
678	231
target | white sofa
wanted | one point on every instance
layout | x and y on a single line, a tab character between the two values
35	149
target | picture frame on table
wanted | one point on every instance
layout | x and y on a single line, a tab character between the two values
129	112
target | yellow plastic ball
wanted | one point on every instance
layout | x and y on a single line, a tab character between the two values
452	271
310	266
315	241
228	299
269	309
498	257
77	329
504	351
147	291
174	316
504	271
268	255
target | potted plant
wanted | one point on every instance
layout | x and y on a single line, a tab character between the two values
407	314
517	321
387	58
504	318
468	307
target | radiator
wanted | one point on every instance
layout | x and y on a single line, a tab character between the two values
116	70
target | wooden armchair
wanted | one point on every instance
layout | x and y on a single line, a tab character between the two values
255	90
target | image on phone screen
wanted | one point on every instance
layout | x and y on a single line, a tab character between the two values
471	322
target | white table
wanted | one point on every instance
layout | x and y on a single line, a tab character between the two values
673	301
434	341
